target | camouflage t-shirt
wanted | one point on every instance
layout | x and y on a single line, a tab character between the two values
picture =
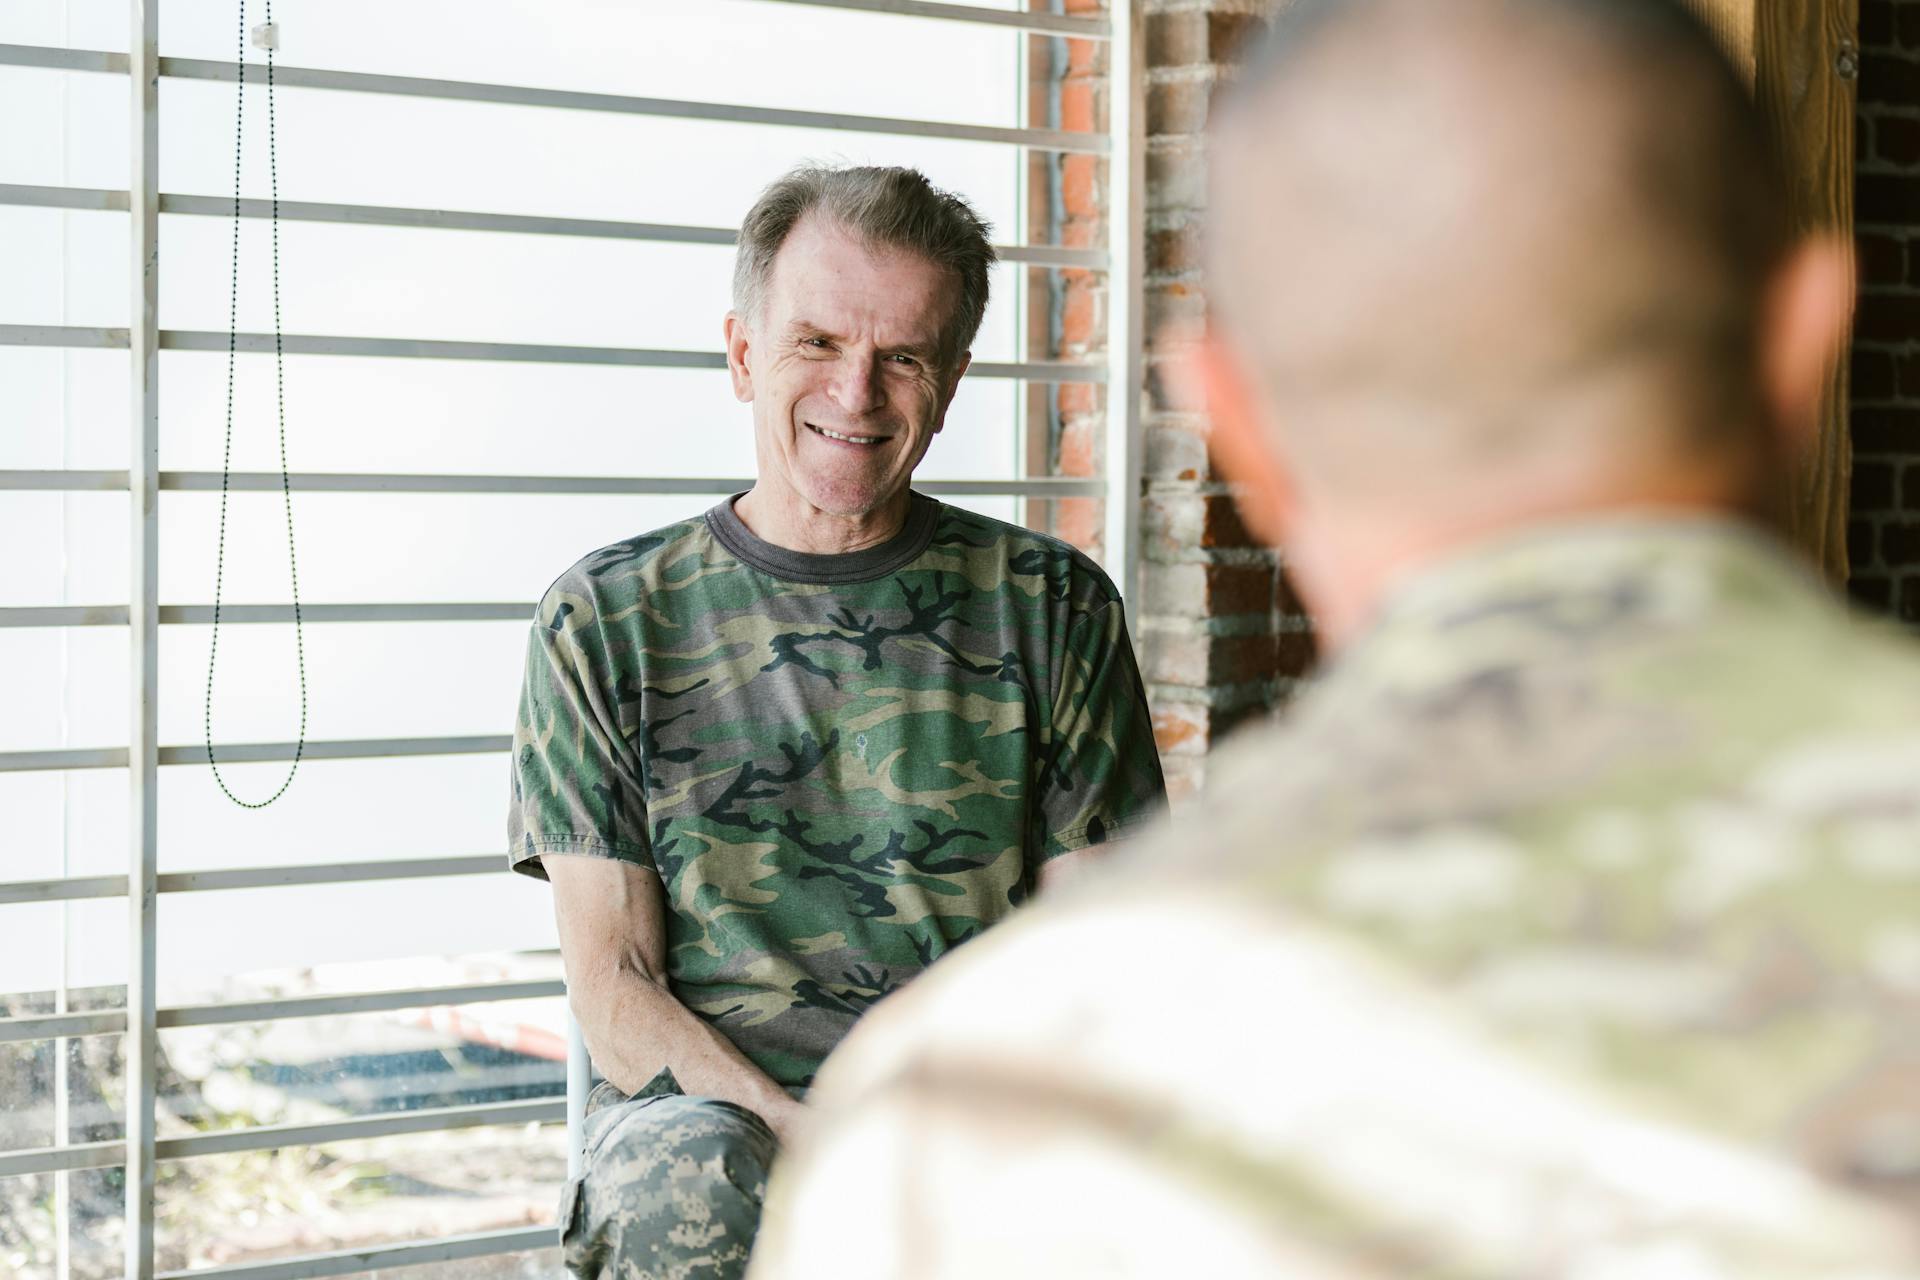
840	767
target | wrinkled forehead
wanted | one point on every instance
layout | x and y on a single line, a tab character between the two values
835	281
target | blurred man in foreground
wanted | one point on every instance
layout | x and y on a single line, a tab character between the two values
1570	926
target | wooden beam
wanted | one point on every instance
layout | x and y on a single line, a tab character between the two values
1732	21
1802	59
1807	59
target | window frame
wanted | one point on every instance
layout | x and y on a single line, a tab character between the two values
1123	147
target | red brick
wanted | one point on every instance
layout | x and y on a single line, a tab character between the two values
1910	488
1910	25
1080	447
1182	728
1083	59
1080	180
1286	602
1079	317
1174	250
1207	590
1078	521
1298	651
1223	524
1078	398
1076	106
1239	659
1239	588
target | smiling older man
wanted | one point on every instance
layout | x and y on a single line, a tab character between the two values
792	751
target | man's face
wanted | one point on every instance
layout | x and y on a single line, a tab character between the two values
844	369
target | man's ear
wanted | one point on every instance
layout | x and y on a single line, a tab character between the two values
1243	441
1803	326
738	341
953	386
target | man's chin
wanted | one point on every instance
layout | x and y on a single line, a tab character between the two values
852	502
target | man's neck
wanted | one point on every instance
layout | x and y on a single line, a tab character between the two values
1345	568
786	520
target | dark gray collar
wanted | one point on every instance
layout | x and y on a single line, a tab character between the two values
863	565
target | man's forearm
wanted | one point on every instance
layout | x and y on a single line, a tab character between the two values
635	1026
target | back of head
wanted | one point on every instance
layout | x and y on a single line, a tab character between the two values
1456	239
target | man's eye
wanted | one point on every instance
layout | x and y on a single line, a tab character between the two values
818	344
903	360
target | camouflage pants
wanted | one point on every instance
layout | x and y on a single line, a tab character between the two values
671	1189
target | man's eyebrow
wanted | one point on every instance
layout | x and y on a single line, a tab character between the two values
922	350
808	329
925	350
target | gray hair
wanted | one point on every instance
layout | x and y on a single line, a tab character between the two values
889	207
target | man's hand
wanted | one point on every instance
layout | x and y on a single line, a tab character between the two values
785	1118
612	917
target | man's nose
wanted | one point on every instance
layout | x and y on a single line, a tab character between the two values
856	382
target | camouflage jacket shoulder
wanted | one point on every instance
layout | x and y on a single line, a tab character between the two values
1596	859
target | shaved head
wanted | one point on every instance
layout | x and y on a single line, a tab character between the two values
1449	236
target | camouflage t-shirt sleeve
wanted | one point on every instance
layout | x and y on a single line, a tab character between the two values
574	787
1103	774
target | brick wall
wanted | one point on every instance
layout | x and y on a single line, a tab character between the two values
1075	72
1883	534
1221	636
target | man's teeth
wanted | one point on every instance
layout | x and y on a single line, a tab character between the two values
835	435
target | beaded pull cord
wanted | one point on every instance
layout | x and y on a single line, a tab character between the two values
269	42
